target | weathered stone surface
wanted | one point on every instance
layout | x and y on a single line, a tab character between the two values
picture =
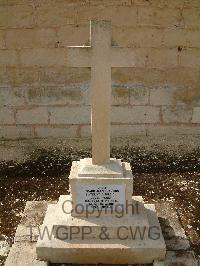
128	251
11	132
54	95
135	114
84	173
70	115
139	96
65	227
173	232
11	97
30	38
196	115
43	57
176	114
6	116
38	115
4	248
8	57
24	251
57	132
161	42
172	131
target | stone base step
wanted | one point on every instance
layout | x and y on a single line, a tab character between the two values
134	224
101	249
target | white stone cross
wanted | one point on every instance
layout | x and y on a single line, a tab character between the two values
100	56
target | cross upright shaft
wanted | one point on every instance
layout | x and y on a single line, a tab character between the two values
100	56
100	91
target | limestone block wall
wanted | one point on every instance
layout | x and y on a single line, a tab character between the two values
41	96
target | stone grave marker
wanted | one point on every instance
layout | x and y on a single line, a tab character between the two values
100	221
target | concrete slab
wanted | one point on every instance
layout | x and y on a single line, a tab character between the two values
21	254
32	217
128	251
173	232
136	220
24	252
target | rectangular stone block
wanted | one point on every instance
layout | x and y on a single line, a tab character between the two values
72	35
6	116
20	16
119	15
181	76
196	115
2	39
190	58
56	132
54	95
43	57
162	58
138	76
8	58
37	115
70	76
30	38
129	57
163	130
159	17
176	114
52	75
21	76
62	14
69	115
96	187
136	114
139	95
11	97
120	95
3	16
15	132
164	96
182	37
117	130
128	130
191	17
3	77
137	36
189	4
128	251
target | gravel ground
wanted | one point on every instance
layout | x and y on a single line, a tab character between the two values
158	176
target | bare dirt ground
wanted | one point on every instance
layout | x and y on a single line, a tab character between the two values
158	176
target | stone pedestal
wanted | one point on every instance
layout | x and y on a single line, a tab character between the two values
100	221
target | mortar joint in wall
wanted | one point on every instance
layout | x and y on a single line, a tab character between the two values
34	132
78	131
149	91
49	115
161	115
137	16
15	115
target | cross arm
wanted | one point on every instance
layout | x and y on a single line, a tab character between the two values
79	56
